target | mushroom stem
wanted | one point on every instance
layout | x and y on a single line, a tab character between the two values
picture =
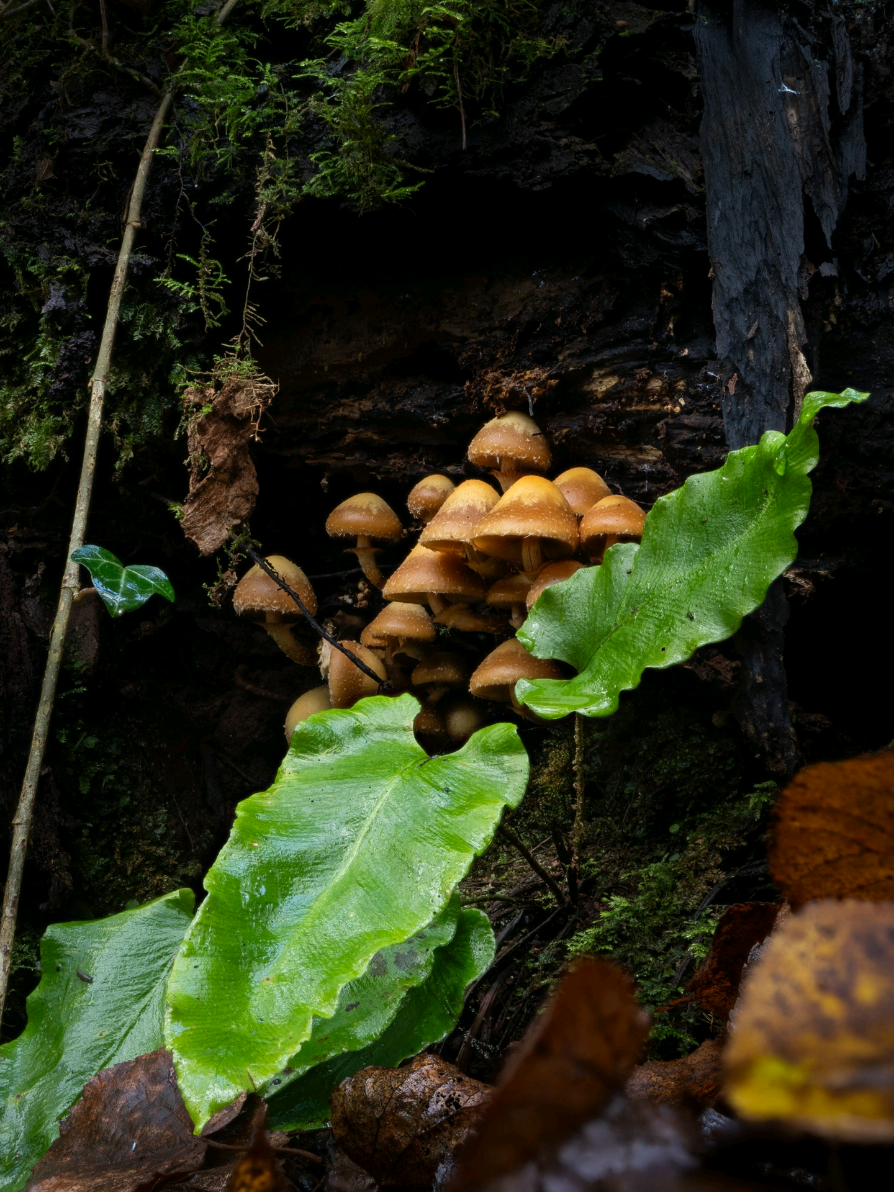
518	616
436	603
281	632
531	554
366	557
506	475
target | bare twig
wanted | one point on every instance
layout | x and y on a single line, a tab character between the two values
21	824
459	96
7	11
105	28
579	786
315	625
279	1150
518	843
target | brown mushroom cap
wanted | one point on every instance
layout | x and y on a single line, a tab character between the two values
257	595
365	515
427	497
531	514
443	669
462	717
512	439
453	526
315	700
552	573
429	728
614	519
401	622
512	589
471	620
425	572
582	488
497	675
347	682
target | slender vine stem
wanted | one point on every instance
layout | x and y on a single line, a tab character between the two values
21	824
517	843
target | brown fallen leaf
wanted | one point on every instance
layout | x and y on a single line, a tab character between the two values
129	1127
716	983
813	1040
696	1079
833	832
578	1053
404	1125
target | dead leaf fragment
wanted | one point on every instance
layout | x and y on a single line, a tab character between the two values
833	834
813	1041
404	1125
578	1053
716	983
696	1079
130	1126
223	483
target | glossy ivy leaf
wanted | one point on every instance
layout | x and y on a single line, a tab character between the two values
367	1005
427	1013
358	845
710	551
80	1024
121	588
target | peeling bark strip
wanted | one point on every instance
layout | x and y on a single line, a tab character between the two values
772	137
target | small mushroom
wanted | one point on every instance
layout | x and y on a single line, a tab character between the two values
258	597
439	673
452	528
614	519
512	593
472	620
434	578
582	488
531	523
511	446
400	629
427	497
462	717
347	682
498	674
368	518
552	573
315	700
429	728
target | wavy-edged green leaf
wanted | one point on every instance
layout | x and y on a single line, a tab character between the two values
78	1025
427	1013
367	1005
122	589
358	845
710	551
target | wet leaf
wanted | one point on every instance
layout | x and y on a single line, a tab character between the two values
833	835
358	845
741	926
405	1125
130	1125
121	588
76	1027
710	551
426	1014
258	1169
577	1054
695	1079
813	1035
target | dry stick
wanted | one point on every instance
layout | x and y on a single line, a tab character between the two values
315	625
518	843
21	824
576	828
459	96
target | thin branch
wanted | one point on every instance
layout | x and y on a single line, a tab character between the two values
459	96
11	12
518	843
105	29
279	1150
315	625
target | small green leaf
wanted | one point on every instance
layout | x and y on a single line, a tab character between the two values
78	1025
121	588
367	1005
710	551
358	845
427	1013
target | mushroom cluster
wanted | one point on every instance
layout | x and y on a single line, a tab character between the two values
482	558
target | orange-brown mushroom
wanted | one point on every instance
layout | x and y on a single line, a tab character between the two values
531	523
498	674
260	598
427	497
367	518
439	673
614	519
452	528
461	716
552	573
347	682
511	446
472	620
429	728
435	578
582	488
511	592
401	629
315	700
